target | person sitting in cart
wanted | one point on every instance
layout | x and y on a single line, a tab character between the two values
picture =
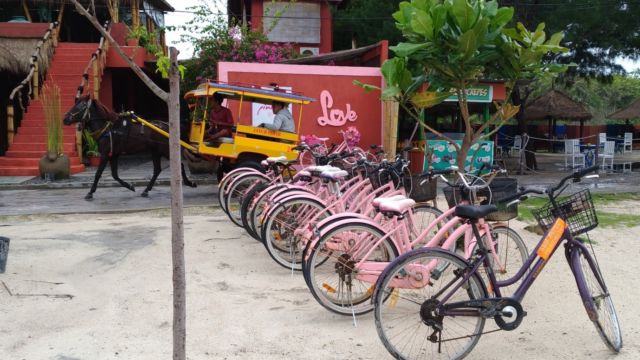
220	119
283	120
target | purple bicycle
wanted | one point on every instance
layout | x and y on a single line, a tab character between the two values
432	303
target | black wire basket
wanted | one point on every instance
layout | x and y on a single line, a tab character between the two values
422	189
577	210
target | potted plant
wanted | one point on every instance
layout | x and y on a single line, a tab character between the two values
54	164
91	148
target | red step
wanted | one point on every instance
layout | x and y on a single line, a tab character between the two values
11	162
32	138
65	71
67	147
32	170
29	154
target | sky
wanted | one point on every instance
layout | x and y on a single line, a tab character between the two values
186	50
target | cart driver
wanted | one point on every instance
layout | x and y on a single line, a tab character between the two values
220	119
283	120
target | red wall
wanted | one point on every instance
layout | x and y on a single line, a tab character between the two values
348	99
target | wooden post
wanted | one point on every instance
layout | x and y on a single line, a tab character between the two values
390	127
61	12
135	14
96	78
177	229
10	130
79	142
36	81
26	10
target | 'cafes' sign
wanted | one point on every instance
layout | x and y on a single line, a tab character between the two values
477	93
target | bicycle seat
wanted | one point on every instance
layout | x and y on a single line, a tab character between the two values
334	175
397	206
279	160
303	175
474	211
317	170
376	202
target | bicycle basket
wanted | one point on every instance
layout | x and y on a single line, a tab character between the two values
577	210
424	192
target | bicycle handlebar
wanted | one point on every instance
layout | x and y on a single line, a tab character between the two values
550	191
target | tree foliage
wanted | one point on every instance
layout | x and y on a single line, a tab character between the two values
450	45
365	21
214	40
596	31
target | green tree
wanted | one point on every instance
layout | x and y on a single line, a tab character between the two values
365	22
597	31
450	45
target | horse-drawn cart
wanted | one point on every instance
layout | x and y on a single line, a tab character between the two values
248	143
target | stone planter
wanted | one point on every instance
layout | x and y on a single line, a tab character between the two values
54	166
94	161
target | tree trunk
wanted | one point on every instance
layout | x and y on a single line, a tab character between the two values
530	156
177	223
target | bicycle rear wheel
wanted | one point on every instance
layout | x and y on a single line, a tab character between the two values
279	231
596	299
247	206
331	271
408	312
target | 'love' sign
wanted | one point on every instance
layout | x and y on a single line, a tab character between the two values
334	117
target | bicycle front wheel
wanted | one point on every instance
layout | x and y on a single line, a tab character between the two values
596	299
408	306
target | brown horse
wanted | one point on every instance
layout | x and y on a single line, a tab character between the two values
118	135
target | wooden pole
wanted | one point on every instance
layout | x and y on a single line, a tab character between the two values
135	14
26	10
10	130
96	78
79	142
390	127
36	81
177	229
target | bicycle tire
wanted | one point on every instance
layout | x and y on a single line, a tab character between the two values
258	209
328	280
227	180
596	298
245	210
278	232
236	193
406	318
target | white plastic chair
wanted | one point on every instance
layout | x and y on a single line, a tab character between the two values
517	144
572	151
602	137
607	155
627	145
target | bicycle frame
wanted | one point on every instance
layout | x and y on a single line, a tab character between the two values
529	271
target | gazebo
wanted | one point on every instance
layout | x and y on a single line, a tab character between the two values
556	105
630	112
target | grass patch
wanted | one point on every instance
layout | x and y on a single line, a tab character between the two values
605	219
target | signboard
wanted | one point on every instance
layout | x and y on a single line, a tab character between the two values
443	154
338	103
477	94
263	113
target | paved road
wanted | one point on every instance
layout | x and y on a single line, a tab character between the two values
106	199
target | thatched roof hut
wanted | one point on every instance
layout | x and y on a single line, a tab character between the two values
630	112
556	105
15	55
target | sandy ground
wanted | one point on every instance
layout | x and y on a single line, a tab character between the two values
99	287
